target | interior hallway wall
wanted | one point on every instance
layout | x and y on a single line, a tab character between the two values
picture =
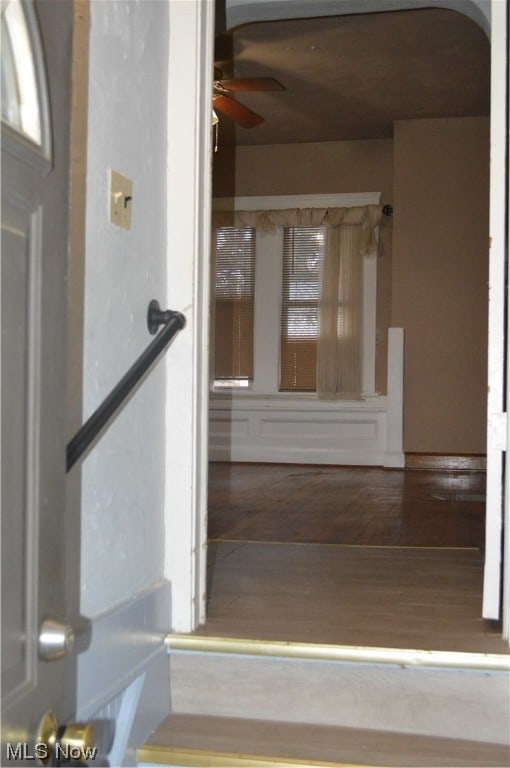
123	477
440	273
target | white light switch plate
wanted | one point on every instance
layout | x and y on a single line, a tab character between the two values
121	196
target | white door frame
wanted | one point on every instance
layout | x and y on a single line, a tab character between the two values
190	80
502	194
497	435
191	55
506	512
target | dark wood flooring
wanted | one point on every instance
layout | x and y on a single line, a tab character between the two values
346	505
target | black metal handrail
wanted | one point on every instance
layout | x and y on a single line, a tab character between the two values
173	322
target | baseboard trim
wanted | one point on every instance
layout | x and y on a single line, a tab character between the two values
110	664
474	462
124	676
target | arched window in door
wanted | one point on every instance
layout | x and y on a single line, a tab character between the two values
23	102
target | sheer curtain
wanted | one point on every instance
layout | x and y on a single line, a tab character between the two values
350	235
339	345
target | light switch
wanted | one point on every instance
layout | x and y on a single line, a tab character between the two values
121	196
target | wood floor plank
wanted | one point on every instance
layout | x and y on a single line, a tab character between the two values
369	596
345	505
400	560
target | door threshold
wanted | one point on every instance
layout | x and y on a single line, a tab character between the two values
343	546
403	657
196	758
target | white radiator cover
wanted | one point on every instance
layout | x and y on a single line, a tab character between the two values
297	429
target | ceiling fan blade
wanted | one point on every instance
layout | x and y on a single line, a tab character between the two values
236	111
251	84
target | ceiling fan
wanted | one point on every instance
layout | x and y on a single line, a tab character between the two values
225	86
224	102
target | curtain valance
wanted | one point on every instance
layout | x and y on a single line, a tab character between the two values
367	217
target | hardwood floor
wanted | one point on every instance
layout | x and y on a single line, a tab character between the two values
349	556
395	597
346	505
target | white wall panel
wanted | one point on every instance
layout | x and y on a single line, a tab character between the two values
123	477
297	430
244	426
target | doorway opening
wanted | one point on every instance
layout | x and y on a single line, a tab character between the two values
390	121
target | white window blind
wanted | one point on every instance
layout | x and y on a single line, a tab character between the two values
235	289
303	254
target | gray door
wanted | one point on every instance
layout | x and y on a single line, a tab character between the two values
40	538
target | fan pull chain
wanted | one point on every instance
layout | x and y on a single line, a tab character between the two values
215	124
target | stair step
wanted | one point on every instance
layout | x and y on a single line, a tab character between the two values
197	740
432	694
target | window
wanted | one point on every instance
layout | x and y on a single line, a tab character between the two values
20	102
304	337
303	254
234	306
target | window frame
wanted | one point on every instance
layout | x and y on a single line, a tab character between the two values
232	381
300	347
268	288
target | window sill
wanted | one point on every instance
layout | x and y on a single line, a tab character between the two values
247	400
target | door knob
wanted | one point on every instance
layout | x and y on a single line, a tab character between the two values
56	639
67	744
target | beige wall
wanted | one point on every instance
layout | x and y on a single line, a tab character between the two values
440	272
294	169
325	168
435	173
